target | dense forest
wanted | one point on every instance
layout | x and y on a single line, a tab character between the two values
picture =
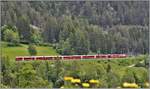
79	27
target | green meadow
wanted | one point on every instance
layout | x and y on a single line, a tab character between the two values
22	50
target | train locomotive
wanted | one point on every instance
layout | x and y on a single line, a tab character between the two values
71	57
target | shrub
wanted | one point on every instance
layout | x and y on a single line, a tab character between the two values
32	49
128	76
10	34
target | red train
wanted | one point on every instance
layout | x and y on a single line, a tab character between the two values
71	57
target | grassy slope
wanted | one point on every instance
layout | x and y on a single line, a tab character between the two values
119	66
12	52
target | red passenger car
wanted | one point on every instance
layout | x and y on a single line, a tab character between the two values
88	57
19	58
28	58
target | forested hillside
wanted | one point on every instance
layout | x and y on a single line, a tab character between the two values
44	28
80	27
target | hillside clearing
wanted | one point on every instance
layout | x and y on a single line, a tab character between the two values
22	50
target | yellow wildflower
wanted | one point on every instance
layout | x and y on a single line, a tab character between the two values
68	78
85	84
75	80
130	85
93	81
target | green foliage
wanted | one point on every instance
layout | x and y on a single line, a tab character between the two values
146	62
109	30
113	80
9	76
111	27
64	48
32	50
28	78
10	34
50	74
81	43
35	36
74	28
128	77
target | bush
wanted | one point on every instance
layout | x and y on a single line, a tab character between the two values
128	76
10	34
32	50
